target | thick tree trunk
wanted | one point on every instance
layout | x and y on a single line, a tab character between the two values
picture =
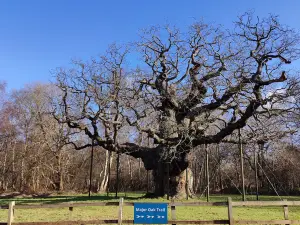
180	181
180	185
159	178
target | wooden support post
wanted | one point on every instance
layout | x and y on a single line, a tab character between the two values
256	175
173	211
108	178
242	164
194	180
148	170
285	211
11	213
118	171
187	184
91	168
120	213
230	215
207	173
260	161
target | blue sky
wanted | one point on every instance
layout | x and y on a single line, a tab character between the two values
37	36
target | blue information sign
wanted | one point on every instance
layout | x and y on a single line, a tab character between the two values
150	213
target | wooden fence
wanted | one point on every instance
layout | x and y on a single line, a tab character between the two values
173	205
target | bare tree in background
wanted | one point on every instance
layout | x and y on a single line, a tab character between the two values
196	87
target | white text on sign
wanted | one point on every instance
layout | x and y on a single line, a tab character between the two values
150	210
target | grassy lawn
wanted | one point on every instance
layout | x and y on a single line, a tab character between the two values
111	212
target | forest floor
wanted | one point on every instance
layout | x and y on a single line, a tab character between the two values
111	212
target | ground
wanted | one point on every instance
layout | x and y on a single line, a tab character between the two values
109	212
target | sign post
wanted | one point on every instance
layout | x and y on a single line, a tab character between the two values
150	213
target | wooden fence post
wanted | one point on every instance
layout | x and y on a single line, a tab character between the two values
173	211
11	213
230	215
70	212
285	211
120	214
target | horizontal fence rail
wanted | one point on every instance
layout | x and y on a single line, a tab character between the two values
67	205
267	203
172	205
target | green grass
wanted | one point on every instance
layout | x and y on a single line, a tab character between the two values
111	212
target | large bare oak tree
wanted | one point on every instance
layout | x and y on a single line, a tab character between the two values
190	88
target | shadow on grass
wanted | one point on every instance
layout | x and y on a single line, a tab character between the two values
65	199
62	199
